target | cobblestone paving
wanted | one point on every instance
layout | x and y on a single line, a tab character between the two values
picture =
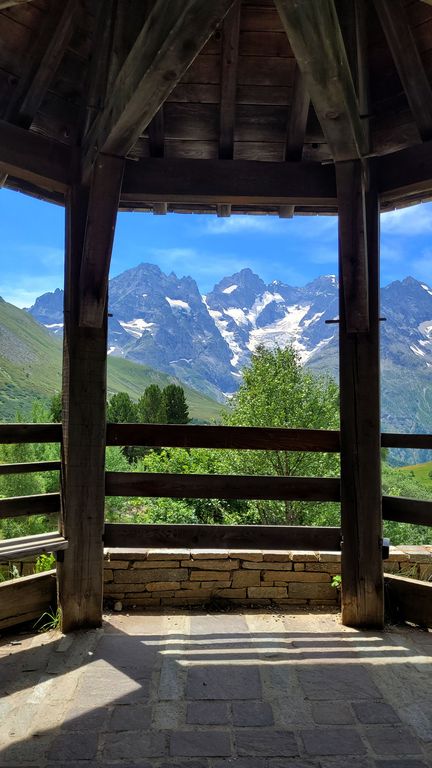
250	690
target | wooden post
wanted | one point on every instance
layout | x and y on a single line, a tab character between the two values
80	575
362	571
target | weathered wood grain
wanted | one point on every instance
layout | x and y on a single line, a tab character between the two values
30	433
223	536
29	466
402	510
26	599
155	484
408	600
26	546
34	158
38	504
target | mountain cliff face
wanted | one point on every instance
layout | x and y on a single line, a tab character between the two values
163	321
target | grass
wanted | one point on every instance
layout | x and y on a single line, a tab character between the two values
421	472
30	369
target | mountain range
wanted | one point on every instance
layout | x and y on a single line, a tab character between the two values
163	321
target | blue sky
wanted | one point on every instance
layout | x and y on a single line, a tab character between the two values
205	247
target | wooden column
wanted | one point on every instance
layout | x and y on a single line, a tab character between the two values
80	575
362	571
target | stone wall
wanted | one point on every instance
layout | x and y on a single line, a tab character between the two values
182	577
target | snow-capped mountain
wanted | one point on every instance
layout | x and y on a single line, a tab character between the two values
164	321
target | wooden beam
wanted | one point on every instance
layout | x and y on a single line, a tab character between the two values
80	577
230	48
34	158
223	536
396	440
409	600
230	45
315	37
26	599
170	39
177	486
296	130
359	371
20	506
11	3
405	173
236	182
353	262
44	60
29	466
406	57
401	510
30	433
26	546
238	438
156	134
98	241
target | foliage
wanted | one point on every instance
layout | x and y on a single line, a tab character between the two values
55	408
150	406
397	482
53	620
174	404
121	409
45	563
278	392
336	581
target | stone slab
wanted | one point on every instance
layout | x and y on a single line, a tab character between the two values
332	741
200	743
223	682
266	743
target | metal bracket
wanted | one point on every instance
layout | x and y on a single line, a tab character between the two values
385	548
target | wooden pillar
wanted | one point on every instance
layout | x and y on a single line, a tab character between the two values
90	225
362	569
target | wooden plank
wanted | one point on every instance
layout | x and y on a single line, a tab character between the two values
296	130
29	466
177	486
196	436
156	134
315	37
353	245
26	599
406	57
228	181
408	600
39	504
167	44
98	241
396	440
80	577
12	3
30	433
223	536
26	546
402	510
362	578
34	158
44	60
230	44
403	173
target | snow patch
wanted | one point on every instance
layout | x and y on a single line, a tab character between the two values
182	360
237	315
177	304
54	325
313	319
136	327
284	331
230	289
416	350
426	288
111	350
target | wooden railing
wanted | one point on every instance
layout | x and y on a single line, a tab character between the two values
37	504
321	489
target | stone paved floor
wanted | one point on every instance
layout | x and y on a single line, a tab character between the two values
246	690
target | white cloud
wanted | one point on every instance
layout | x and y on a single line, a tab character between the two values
415	220
239	224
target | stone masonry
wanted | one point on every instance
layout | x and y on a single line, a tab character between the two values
185	577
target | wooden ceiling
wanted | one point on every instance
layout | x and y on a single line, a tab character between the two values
245	97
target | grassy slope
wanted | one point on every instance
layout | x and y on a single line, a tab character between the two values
421	473
30	369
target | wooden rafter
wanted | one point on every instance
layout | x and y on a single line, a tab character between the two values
98	241
296	130
48	52
315	36
156	134
230	44
11	3
408	63
170	39
233	182
34	158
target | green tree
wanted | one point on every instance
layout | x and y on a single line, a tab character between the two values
150	406
175	405
121	409
55	408
278	392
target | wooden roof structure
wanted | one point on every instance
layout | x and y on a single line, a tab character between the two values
226	106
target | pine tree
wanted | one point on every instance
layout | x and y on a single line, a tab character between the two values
175	405
121	409
150	406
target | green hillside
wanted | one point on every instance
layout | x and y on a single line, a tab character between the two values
30	369
421	472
